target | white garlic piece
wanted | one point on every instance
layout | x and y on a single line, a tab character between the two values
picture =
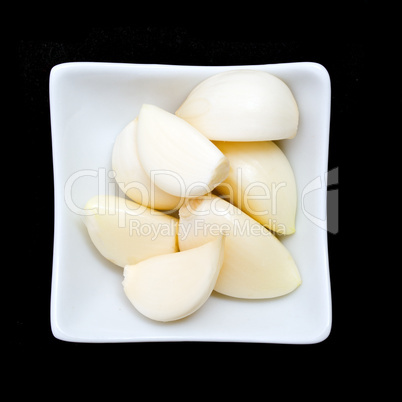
172	286
125	232
256	264
242	105
261	183
176	156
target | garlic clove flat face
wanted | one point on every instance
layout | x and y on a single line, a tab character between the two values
261	183
256	264
176	156
242	105
131	177
172	286
125	232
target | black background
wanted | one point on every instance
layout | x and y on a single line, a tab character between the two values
343	48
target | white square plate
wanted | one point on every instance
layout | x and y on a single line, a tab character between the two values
90	104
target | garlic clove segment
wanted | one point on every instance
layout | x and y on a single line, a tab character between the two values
242	105
176	156
130	175
261	183
125	232
256	264
172	286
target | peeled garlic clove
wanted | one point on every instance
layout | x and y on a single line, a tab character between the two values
130	175
176	156
242	105
173	286
255	265
125	232
261	183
